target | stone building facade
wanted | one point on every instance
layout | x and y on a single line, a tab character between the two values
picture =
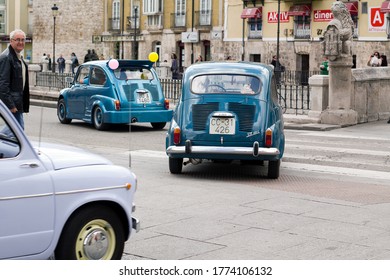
76	23
217	30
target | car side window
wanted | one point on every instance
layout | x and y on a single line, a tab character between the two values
98	77
9	144
83	77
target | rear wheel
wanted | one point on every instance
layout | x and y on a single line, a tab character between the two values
61	112
98	119
175	165
158	125
95	233
273	169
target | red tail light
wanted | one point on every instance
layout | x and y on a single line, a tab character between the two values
166	104
268	137
176	135
117	105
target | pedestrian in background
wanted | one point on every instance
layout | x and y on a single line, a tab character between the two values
324	67
374	60
74	62
94	55
88	56
383	60
61	64
14	87
174	67
199	59
49	62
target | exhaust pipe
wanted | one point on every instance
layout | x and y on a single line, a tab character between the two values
133	120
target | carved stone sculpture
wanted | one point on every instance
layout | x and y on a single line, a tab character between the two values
339	33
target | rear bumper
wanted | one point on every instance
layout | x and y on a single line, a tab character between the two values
138	116
254	151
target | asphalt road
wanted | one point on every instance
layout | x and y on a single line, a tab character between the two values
331	201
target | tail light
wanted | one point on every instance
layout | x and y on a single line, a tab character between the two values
117	105
166	104
268	138
176	135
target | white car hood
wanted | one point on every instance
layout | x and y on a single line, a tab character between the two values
63	156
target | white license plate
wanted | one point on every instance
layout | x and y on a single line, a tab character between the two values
143	98
221	125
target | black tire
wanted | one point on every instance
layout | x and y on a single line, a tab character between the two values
158	125
175	165
78	240
98	119
274	169
61	112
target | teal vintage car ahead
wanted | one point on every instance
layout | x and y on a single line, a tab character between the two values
227	111
115	92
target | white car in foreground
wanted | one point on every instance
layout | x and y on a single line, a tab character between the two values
60	202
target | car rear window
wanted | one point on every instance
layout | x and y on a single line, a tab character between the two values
130	73
226	84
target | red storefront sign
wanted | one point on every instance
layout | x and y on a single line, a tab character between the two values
322	15
273	17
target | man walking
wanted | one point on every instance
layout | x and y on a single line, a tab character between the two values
14	87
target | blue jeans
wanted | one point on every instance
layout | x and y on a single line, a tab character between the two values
19	117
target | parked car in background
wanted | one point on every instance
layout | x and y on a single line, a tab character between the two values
107	92
227	111
60	201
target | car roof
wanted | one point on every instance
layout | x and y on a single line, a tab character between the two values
123	63
240	67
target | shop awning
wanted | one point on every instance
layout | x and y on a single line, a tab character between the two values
385	7
352	8
251	13
299	10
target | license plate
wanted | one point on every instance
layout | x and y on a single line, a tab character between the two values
226	126
143	98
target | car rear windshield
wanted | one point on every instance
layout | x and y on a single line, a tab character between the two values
226	84
131	73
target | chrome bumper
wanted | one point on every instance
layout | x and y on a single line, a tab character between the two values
213	150
136	224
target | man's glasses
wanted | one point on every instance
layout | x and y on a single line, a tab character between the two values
19	40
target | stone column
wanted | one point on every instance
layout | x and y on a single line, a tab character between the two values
32	74
319	95
68	68
339	110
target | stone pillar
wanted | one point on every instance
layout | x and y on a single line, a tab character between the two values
340	88
319	95
32	74
68	64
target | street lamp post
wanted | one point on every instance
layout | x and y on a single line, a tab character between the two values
135	34
54	10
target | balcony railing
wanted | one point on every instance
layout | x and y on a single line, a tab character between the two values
115	24
131	24
302	33
255	34
178	20
203	19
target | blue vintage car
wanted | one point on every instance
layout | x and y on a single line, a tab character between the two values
227	111
115	92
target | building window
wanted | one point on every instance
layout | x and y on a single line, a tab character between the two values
205	12
116	15
302	27
255	28
152	6
180	13
2	22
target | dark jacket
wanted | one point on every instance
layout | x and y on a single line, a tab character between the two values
11	82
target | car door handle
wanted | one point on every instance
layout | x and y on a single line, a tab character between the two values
31	165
